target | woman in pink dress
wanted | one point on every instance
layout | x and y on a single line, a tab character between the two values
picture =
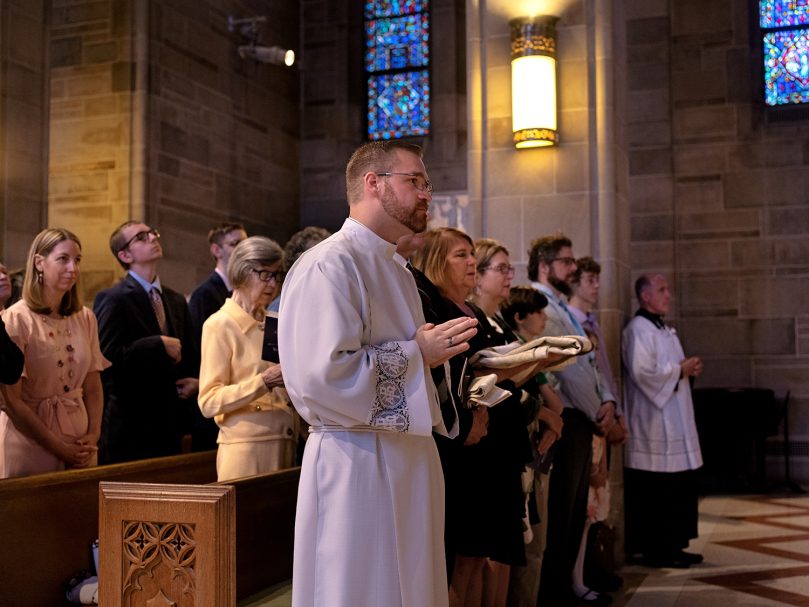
51	419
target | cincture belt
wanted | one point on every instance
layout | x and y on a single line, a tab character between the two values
338	428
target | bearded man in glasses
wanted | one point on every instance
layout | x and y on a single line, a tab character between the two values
145	331
589	408
356	354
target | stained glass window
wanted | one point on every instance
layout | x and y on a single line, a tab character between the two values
785	30
397	61
780	13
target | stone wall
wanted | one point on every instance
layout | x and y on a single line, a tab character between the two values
89	176
334	118
155	117
23	126
223	132
517	195
718	194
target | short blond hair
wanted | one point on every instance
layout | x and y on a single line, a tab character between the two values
432	257
44	243
376	156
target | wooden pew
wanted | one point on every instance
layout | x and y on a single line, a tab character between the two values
265	529
47	522
141	523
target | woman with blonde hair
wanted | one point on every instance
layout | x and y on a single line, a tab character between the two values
484	498
52	416
244	394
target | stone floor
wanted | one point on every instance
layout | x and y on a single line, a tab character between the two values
756	551
277	596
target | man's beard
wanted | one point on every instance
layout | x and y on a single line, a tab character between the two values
412	220
560	285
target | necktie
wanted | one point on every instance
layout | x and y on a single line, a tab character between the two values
573	320
159	311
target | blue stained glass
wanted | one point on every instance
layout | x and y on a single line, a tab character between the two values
786	67
398	43
399	105
780	13
390	8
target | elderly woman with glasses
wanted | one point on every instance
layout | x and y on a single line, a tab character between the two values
51	419
244	394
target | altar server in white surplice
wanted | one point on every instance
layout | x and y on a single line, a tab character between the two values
369	530
662	453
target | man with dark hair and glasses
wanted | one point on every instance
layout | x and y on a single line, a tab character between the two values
145	331
589	408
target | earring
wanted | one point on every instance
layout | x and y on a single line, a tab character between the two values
40	277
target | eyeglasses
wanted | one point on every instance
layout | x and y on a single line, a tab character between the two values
568	261
504	269
267	275
142	236
419	182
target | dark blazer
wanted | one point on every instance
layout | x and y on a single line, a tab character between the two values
11	358
143	416
206	299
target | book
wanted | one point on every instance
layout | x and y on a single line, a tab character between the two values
269	351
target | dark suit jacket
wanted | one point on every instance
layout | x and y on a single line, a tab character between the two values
206	299
11	358
143	416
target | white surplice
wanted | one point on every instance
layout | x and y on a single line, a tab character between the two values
369	530
657	401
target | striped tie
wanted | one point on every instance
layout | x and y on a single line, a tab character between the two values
159	311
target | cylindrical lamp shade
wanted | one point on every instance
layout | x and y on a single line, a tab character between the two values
533	81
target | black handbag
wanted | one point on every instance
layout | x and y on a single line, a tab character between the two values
599	560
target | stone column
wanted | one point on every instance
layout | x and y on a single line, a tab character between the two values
516	195
23	126
91	102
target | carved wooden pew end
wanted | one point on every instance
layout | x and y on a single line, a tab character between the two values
195	545
48	521
165	545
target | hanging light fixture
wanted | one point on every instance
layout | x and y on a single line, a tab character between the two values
533	81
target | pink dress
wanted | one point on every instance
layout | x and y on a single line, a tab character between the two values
59	353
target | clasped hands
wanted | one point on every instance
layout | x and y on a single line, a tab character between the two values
691	367
79	453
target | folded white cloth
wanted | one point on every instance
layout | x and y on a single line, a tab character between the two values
562	349
484	391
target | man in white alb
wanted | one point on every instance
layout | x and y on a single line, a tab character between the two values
662	452
355	350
